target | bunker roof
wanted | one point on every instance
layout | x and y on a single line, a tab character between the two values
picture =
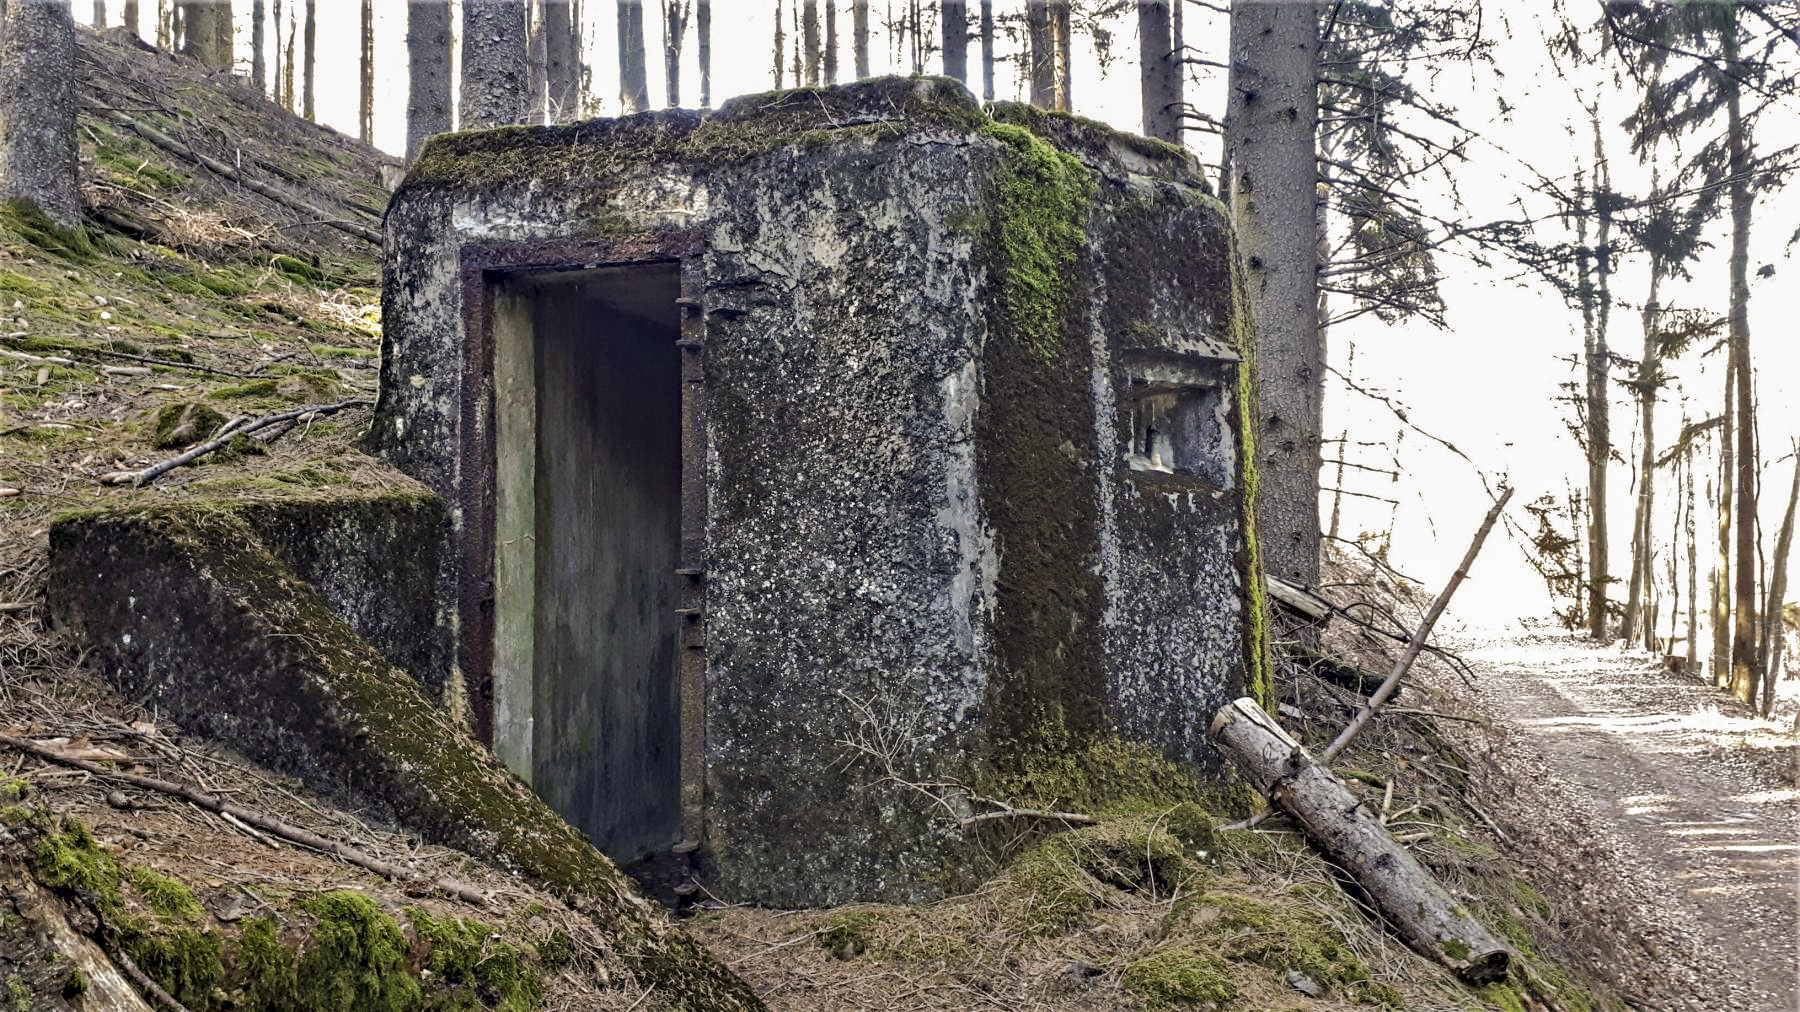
877	110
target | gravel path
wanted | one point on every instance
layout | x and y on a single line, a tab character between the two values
1681	808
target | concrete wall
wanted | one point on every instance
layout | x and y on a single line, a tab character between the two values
871	446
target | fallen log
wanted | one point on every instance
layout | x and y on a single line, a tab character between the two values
1424	914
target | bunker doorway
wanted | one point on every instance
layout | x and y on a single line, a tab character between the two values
587	390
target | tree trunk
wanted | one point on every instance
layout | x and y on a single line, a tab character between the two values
562	61
703	26
366	99
287	74
275	84
809	32
1062	32
1689	531
166	35
1270	123
134	18
1429	918
309	63
831	43
675	17
987	50
955	17
1160	79
200	32
1595	315
259	61
38	160
537	66
859	36
1721	646
1642	543
1041	52
428	109
98	20
780	48
634	88
1769	657
493	63
1744	672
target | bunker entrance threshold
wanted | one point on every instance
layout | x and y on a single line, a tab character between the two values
588	463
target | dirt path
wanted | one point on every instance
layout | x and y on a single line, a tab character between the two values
1694	799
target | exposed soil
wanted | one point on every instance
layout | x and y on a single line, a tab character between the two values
1670	811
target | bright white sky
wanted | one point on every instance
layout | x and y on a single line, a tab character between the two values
1486	385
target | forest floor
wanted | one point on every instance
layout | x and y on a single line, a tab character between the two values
1690	803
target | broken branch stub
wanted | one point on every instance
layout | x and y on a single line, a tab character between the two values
1425	915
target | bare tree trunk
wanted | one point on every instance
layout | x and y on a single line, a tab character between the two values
1062	32
1770	653
859	36
98	20
166	35
1160	72
675	18
537	66
493	63
309	62
809	32
634	88
1688	529
831	43
200	32
134	18
38	160
987	50
955	27
275	84
562	61
1642	545
1042	53
1271	119
780	49
1744	673
1595	262
259	61
704	27
428	109
1721	619
366	99
288	72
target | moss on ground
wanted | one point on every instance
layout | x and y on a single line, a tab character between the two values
1179	975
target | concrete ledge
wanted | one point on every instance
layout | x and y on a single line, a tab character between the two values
186	608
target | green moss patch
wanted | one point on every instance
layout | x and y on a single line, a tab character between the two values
1062	880
182	423
1043	207
1180	975
1281	936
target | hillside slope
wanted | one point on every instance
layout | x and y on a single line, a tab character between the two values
229	268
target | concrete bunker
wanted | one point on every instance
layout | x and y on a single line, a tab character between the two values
588	528
919	423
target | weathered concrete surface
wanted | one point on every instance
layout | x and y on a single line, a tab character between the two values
921	524
184	608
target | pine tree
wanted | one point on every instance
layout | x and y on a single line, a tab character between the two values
955	25
494	75
366	96
1160	71
859	35
1271	178
37	108
428	45
562	59
634	87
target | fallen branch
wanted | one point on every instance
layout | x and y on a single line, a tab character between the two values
1070	818
268	824
1401	666
143	980
175	147
1424	913
155	471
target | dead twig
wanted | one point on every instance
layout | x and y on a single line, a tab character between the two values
155	471
268	824
1071	818
142	980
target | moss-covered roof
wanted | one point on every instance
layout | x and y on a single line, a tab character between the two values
883	108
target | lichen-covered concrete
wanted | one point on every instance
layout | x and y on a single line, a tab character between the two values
915	330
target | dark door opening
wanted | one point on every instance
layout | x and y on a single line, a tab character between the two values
588	527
